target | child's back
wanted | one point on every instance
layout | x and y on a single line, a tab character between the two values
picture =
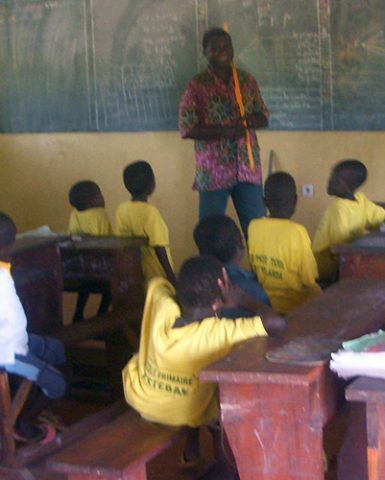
349	216
178	340
137	218
280	249
89	216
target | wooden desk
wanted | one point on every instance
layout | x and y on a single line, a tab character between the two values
105	261
274	413
371	393
364	258
36	270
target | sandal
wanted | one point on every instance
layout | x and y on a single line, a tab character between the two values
47	417
45	434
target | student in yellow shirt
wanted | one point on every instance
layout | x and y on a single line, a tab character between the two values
182	334
137	218
88	217
350	215
280	250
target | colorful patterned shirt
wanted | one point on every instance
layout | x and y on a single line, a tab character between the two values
209	101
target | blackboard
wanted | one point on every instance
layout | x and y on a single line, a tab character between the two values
121	65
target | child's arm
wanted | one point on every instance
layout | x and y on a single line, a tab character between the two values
273	323
162	256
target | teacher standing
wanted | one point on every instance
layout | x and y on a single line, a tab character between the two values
210	115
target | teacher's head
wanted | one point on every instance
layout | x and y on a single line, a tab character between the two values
218	48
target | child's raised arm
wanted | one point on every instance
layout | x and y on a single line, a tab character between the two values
274	323
161	253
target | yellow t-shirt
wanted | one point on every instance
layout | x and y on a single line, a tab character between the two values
343	221
161	382
280	255
140	219
93	221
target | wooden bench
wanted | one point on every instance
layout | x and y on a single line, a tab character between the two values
16	464
368	393
119	450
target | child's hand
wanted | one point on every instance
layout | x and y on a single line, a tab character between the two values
234	296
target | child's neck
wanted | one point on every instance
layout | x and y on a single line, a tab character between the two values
140	198
281	215
192	315
346	196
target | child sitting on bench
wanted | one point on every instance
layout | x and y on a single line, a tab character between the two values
182	334
280	250
89	217
32	357
349	216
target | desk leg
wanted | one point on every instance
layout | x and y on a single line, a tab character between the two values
352	461
272	431
366	433
376	440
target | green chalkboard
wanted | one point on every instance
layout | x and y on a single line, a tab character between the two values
121	65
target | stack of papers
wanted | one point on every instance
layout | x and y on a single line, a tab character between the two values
361	356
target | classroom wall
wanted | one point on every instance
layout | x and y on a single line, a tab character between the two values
37	170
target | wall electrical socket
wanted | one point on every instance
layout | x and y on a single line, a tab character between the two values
308	190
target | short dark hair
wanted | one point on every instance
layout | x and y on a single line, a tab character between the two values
197	283
7	230
354	171
138	177
211	33
219	236
82	194
279	189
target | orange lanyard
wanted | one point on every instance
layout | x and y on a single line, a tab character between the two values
238	97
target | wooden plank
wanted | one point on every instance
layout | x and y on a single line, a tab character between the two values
115	450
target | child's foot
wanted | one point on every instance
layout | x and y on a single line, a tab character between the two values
191	454
190	459
41	434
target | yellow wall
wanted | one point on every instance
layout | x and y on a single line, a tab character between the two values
37	170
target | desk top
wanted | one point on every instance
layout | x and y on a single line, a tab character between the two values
371	244
101	243
366	389
348	309
24	244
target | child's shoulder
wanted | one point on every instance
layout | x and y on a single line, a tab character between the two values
5	277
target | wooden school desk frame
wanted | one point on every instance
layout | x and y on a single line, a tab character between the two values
105	261
273	413
363	258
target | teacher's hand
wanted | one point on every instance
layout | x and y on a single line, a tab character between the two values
233	132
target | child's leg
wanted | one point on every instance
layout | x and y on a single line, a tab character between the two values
37	365
83	295
47	349
225	461
191	450
105	302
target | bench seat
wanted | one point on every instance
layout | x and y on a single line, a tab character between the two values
119	450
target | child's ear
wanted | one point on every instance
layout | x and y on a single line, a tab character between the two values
223	284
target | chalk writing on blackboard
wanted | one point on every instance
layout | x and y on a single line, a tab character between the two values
121	65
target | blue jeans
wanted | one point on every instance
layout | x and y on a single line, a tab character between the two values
247	199
38	365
